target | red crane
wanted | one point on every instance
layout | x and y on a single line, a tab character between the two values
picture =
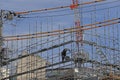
79	34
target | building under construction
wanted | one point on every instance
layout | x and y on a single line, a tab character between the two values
77	41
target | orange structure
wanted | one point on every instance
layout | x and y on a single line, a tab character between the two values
79	33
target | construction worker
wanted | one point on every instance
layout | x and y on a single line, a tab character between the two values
3	57
63	54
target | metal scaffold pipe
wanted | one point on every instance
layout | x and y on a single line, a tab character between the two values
1	42
105	23
1	25
55	8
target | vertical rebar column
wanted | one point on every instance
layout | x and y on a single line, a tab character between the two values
1	24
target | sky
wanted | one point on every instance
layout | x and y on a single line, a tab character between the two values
27	5
20	5
22	25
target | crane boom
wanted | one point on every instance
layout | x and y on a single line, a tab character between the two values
55	8
64	31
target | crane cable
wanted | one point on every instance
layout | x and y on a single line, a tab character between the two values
57	32
61	7
66	13
70	10
114	19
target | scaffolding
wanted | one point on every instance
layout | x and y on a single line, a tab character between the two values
75	42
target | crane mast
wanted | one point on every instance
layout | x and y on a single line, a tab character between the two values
79	33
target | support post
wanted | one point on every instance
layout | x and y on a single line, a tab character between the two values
1	42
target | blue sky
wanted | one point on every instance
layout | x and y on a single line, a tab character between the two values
65	21
21	5
26	5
